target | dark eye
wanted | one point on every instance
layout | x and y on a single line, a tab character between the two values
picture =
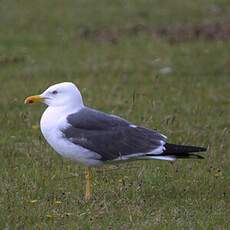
54	92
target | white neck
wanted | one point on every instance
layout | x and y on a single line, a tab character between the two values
56	113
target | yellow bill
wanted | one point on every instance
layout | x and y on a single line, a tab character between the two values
33	99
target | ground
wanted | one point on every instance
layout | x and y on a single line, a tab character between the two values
160	64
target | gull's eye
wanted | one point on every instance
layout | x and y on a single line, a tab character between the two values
54	92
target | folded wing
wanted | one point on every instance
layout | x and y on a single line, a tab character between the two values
110	136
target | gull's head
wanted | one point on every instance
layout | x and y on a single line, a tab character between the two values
62	94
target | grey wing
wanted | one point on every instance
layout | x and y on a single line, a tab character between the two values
90	119
110	136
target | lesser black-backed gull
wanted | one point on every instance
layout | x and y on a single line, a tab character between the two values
94	138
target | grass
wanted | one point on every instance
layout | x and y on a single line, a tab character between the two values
40	45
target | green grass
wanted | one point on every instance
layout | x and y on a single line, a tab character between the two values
40	45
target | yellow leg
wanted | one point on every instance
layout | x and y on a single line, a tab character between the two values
89	184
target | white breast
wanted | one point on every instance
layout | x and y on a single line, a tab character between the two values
52	122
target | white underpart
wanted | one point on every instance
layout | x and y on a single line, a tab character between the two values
52	122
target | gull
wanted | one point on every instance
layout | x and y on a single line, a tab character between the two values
94	138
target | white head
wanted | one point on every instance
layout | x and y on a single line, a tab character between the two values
62	94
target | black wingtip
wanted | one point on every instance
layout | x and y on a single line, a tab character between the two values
201	149
182	149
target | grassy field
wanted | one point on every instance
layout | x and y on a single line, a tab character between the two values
181	89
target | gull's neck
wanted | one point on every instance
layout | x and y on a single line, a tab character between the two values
53	114
53	117
63	110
